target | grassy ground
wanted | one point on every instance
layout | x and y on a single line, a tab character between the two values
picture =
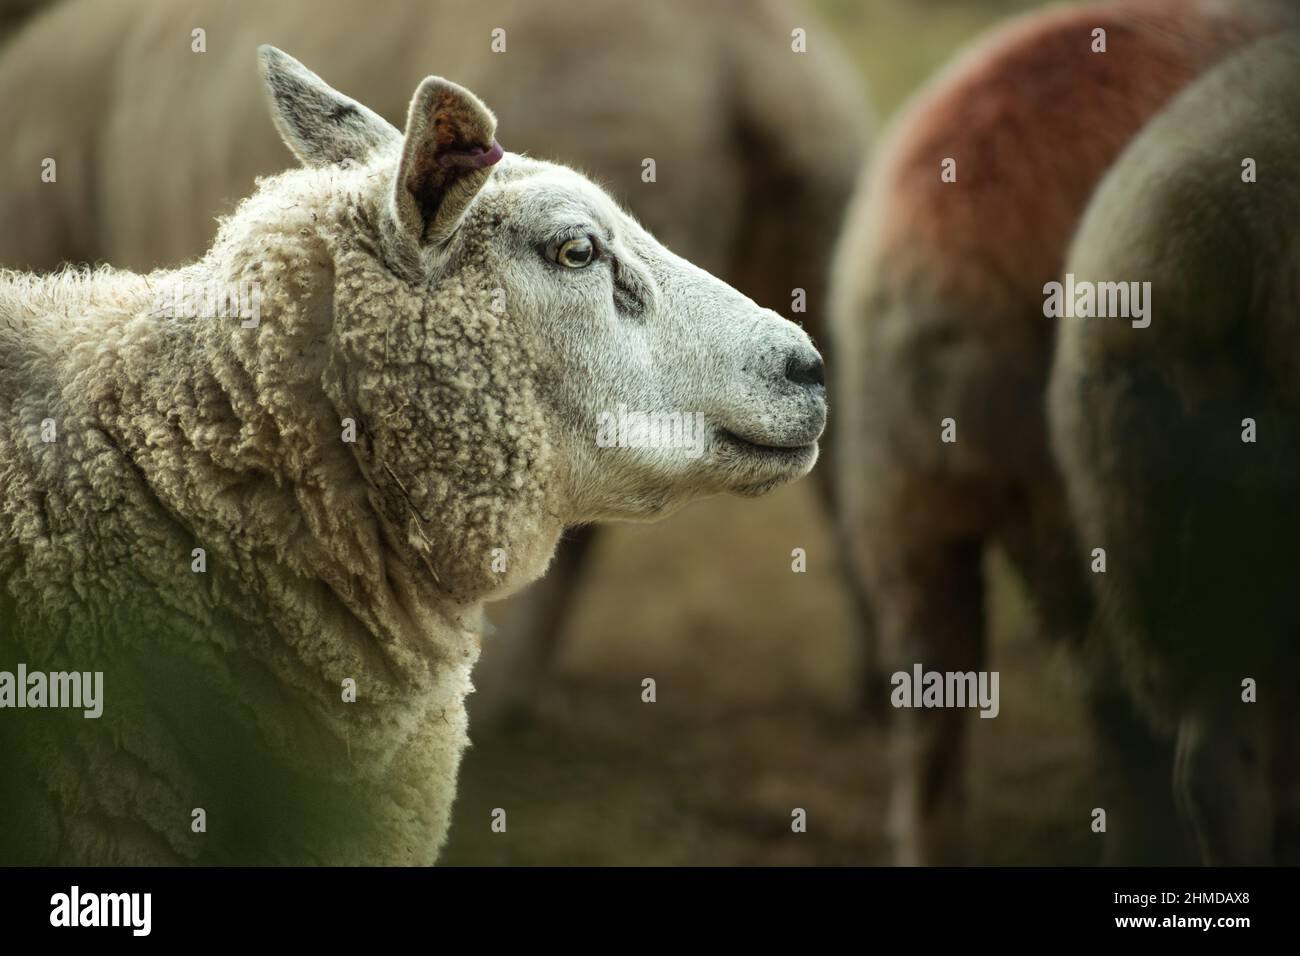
755	666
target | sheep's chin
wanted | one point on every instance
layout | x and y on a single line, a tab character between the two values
751	469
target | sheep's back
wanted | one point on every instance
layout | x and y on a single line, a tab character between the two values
938	299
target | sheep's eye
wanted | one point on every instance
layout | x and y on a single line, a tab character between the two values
574	253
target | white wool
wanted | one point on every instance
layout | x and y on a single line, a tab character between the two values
472	371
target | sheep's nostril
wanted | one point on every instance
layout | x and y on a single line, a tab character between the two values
806	369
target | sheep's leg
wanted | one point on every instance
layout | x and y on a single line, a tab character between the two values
1136	764
1038	536
1285	780
1221	781
931	611
1136	767
873	695
521	651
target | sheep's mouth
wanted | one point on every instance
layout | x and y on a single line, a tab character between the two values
757	467
792	452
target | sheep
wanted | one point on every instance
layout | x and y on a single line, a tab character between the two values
273	534
756	146
938	327
1179	445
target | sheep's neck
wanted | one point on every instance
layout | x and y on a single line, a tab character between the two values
228	430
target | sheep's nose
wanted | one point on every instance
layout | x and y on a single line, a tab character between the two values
804	367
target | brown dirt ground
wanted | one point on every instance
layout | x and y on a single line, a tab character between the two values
755	674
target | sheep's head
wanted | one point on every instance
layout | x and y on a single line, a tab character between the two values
524	354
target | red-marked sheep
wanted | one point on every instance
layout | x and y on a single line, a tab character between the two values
938	315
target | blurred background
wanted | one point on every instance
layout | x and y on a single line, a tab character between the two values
756	666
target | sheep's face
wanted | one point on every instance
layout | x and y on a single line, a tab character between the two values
660	383
544	360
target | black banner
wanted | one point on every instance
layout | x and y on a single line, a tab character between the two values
358	905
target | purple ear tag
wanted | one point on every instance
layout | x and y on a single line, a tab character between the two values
476	158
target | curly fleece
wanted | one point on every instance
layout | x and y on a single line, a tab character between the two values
325	560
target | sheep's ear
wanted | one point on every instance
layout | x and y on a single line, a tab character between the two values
316	121
446	159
